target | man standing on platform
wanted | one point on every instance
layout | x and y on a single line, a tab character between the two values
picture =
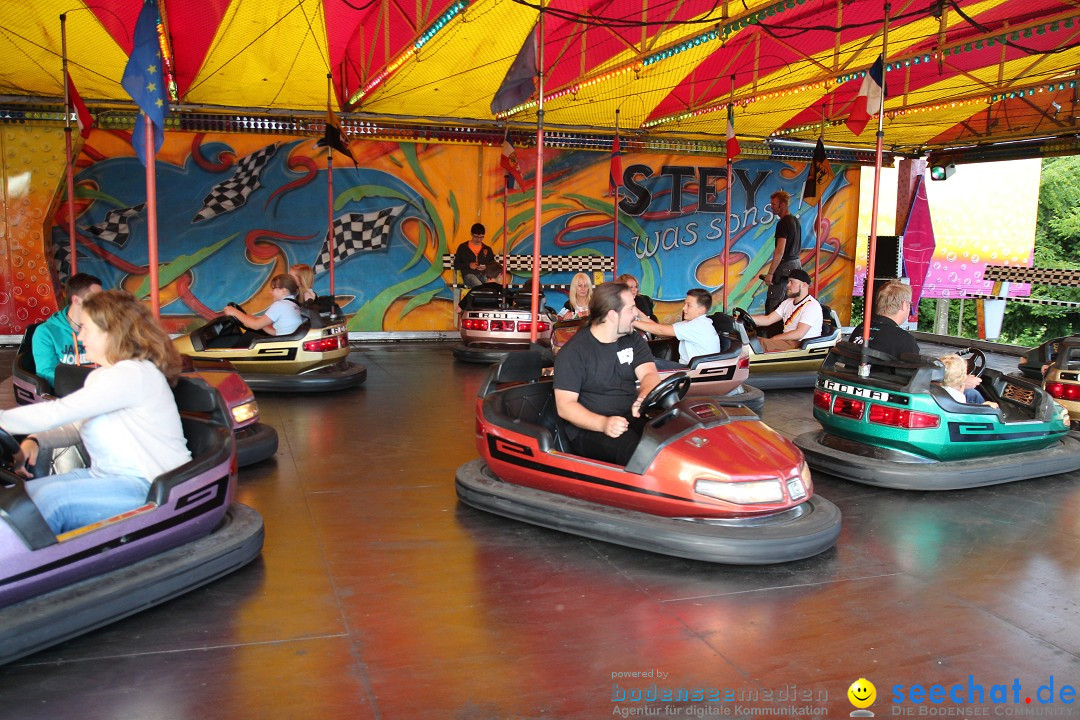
786	253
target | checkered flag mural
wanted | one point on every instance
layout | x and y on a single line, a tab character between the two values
61	262
233	193
114	228
356	232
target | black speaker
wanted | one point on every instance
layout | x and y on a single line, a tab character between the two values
889	257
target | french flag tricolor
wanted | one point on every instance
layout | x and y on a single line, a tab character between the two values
870	100
82	113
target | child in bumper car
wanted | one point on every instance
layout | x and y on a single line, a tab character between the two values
956	375
282	317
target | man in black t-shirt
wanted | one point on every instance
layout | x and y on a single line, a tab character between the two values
892	306
596	375
788	237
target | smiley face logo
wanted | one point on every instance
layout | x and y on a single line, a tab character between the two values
862	693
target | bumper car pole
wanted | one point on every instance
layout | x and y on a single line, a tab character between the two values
539	196
868	292
151	215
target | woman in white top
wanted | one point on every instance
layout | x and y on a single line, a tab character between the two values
577	306
125	415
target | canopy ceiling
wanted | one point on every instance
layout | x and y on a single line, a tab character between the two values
960	72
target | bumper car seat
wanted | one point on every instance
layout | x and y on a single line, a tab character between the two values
830	330
25	366
530	406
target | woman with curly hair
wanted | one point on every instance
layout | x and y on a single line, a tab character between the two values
125	415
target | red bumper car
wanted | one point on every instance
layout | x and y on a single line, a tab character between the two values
707	482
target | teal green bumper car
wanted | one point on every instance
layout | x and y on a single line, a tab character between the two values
899	428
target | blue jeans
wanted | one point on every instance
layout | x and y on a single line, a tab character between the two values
79	498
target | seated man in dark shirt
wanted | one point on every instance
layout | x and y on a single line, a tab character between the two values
892	306
595	377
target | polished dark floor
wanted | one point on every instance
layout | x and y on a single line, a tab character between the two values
379	596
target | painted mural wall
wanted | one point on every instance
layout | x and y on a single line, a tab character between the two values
236	209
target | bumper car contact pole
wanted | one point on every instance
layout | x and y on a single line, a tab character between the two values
868	293
330	186
539	197
151	216
727	213
70	167
507	179
615	208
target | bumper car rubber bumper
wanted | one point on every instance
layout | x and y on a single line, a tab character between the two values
745	395
787	380
255	442
862	463
340	376
801	532
48	619
486	353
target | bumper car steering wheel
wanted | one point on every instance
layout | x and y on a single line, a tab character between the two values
976	361
9	448
233	326
669	391
743	317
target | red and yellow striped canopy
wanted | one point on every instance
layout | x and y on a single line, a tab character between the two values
959	72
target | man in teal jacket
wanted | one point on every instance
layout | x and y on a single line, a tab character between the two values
56	340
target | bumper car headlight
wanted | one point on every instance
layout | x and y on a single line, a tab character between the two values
741	493
245	411
798	486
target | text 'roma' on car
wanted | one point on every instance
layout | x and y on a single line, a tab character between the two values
899	428
707	481
188	533
313	358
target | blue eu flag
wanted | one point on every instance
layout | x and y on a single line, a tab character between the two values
144	80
